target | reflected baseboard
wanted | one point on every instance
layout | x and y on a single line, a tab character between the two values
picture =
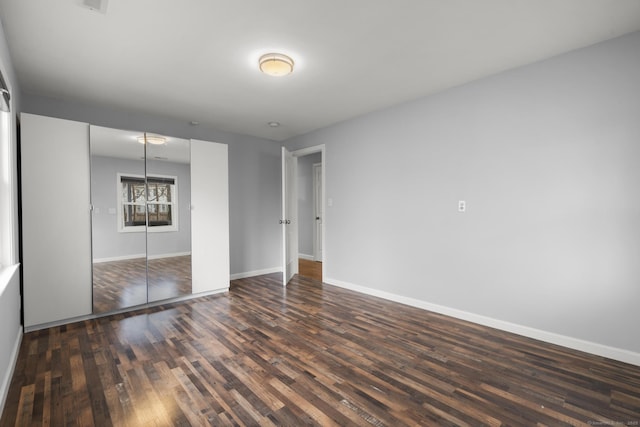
175	254
137	256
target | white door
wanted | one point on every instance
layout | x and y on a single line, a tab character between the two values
56	219
209	216
319	214
289	217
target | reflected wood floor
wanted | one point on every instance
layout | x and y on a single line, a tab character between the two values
120	284
310	354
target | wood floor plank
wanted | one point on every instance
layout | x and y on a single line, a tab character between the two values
310	269
307	354
26	405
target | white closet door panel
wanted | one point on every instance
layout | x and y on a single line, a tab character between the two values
55	219
209	216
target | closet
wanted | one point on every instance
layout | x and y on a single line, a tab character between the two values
114	219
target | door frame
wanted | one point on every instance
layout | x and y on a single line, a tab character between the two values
321	148
318	211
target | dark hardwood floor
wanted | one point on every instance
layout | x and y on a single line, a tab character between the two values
310	354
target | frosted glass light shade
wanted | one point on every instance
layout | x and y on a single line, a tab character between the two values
276	64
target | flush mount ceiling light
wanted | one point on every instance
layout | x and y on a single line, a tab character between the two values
152	139
275	64
274	124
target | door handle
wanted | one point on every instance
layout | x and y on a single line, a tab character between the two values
317	218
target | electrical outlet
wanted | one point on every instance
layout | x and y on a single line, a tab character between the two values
462	206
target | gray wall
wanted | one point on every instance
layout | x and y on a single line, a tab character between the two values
107	241
254	174
546	157
306	211
10	328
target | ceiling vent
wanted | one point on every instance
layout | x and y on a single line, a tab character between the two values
97	5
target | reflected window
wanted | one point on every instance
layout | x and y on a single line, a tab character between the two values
133	201
160	204
149	202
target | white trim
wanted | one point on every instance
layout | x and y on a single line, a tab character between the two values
550	337
322	149
8	196
318	211
253	273
309	150
138	256
6	381
307	257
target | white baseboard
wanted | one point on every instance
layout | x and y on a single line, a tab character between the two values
307	257
256	273
137	256
550	337
6	381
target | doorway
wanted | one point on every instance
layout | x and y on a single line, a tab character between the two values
310	215
303	213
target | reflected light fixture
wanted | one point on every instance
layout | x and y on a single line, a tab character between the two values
275	64
152	139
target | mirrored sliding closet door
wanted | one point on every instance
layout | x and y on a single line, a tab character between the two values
141	221
134	218
168	217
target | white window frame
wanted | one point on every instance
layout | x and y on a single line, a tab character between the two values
7	194
142	228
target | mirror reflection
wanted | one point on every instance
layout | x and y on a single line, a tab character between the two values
140	192
168	218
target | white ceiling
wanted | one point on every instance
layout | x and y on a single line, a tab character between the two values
196	60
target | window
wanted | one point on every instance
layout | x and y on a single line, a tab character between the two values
149	202
7	203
